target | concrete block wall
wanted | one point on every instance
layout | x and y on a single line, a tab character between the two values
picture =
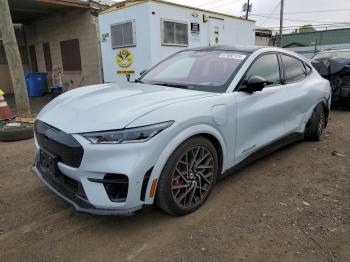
72	24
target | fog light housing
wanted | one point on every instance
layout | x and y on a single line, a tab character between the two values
116	186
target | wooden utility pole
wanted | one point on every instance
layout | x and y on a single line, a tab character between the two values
247	13
281	23
14	61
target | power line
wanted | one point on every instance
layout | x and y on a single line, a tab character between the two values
297	20
234	2
310	12
314	26
273	10
208	3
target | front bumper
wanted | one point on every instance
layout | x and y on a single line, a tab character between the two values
136	164
80	203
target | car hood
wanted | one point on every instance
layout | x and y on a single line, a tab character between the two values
110	106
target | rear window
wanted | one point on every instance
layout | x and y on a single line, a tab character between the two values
294	69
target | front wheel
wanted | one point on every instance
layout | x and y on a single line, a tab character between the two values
188	177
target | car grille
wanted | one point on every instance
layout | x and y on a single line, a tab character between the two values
67	186
64	146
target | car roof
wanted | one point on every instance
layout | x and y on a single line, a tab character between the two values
242	48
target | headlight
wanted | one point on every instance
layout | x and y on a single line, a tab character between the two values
128	135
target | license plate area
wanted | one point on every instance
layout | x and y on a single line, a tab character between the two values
48	163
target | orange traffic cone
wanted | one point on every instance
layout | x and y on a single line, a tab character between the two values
5	111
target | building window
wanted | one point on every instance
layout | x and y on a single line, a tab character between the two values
22	51
47	56
123	34
24	55
32	55
3	59
70	52
174	33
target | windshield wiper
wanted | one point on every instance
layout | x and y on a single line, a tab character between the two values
173	85
138	81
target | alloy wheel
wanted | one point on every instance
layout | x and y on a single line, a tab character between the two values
193	177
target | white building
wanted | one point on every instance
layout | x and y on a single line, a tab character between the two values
263	37
138	34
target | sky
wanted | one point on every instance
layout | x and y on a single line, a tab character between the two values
297	12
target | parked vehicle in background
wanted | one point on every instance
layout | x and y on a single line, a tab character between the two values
334	65
196	116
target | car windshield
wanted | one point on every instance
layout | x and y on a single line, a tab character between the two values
330	55
198	70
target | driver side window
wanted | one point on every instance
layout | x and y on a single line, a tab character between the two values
266	67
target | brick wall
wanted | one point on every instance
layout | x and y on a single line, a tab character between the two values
73	24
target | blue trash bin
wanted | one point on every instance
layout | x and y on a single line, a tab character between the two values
36	83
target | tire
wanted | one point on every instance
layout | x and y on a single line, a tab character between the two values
15	134
316	125
193	179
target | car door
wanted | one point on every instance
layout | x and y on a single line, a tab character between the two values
297	85
260	116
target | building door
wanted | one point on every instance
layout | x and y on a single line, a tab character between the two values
32	55
216	31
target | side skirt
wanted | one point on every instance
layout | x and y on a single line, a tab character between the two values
264	152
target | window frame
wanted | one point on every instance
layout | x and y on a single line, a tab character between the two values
240	83
162	33
284	81
133	26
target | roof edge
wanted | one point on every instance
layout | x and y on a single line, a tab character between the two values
135	2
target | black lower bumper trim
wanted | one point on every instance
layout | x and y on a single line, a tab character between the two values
80	204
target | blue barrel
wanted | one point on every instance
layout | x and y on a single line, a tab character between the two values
36	83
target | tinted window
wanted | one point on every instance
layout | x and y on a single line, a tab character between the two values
294	69
266	67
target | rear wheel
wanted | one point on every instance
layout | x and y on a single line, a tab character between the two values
188	177
316	125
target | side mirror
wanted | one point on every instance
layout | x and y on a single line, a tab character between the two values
253	84
143	72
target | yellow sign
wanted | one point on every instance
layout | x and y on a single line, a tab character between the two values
124	58
125	72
